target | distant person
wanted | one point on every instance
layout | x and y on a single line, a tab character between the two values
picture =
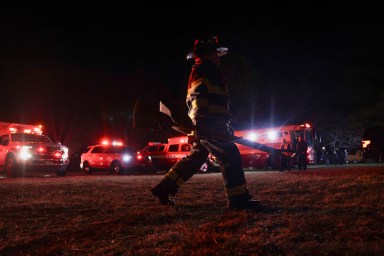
335	157
301	150
208	108
285	157
342	154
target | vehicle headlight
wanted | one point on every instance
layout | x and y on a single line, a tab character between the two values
25	152
127	158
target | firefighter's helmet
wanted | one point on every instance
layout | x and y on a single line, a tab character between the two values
205	45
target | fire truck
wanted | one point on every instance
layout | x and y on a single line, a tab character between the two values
272	136
23	148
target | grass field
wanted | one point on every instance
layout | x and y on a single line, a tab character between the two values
327	211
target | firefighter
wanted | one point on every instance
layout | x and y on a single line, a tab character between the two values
208	108
301	149
285	157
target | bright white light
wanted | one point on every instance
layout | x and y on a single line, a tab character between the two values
117	143
127	158
25	153
272	135
65	155
252	136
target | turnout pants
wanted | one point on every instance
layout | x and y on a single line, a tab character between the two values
231	168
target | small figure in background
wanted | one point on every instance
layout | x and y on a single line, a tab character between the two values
285	157
301	149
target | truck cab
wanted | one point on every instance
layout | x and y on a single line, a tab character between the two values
24	149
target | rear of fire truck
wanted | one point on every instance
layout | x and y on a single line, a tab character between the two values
24	149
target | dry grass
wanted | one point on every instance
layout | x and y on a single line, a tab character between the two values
338	211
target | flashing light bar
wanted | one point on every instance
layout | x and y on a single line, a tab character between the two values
114	143
30	129
117	143
306	125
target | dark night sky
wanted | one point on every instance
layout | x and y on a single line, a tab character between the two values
89	63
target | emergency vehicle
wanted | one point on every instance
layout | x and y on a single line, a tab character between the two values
272	136
164	155
23	148
113	156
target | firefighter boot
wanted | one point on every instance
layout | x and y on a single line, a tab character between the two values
243	202
162	191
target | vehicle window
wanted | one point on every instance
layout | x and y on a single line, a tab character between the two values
27	137
151	148
160	148
111	150
185	147
173	148
3	137
86	150
308	138
97	150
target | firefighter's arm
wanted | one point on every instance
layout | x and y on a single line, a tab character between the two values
197	98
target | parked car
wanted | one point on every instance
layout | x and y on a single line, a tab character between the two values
114	158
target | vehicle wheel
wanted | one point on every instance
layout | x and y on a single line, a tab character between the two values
115	168
87	168
206	167
11	168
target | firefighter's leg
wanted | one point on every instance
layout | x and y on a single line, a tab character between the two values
180	173
235	185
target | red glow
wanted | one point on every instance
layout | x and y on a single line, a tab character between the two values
117	143
306	125
107	142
